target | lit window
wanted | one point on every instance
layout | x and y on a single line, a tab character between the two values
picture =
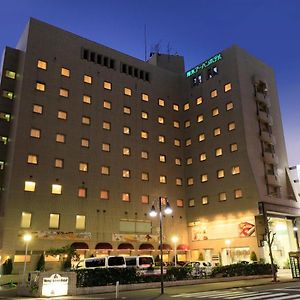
106	125
145	97
178	181
202	156
189	161
222	196
163	179
4	116
179	203
218	151
144	155
187	123
40	86
126	173
29	186
85	143
190	181
83	167
63	93
25	220
10	74
231	126
176	124
229	105
8	94
238	194
126	130
186	106
86	99
32	159
161	139
80	222
85	120
144	115
2	164
220	173
127	110
126	151
54	221
217	131
82	192
41	64
107	85
233	147
200	118
215	112
162	158
87	79
204	200
56	189
188	142
60	138
35	133
161	120
191	202
144	134
58	163
199	101
213	93
106	104
204	177
178	161
105	147
127	92
126	197
177	142
38	109
62	115
145	199
201	137
65	72
105	170
227	87
161	102
176	107
235	170
145	176
3	139
104	195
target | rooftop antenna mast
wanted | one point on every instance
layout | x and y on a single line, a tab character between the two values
145	40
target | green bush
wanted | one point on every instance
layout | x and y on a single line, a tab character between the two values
177	273
40	266
7	267
253	256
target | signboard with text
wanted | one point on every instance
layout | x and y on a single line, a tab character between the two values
55	285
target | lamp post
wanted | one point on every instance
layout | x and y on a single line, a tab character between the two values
153	213
175	240
26	238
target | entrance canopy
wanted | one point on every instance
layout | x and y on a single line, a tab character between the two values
104	246
146	246
125	246
80	246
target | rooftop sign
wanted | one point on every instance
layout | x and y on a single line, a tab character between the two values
204	65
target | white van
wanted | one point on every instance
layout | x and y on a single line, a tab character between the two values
102	262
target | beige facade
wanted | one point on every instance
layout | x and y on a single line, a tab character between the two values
91	138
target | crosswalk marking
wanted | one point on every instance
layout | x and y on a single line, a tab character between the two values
242	295
288	289
259	296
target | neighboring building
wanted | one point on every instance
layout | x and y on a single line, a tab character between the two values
91	138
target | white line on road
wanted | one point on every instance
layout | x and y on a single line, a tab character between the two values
259	296
287	297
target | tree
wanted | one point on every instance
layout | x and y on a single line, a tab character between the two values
40	266
201	257
253	256
7	267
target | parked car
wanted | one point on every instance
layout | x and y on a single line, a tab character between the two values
199	268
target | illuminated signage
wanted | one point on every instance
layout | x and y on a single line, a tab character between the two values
204	65
55	285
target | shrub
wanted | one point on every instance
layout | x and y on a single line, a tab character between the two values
177	273
253	256
7	267
40	266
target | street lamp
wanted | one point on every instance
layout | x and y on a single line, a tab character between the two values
175	240
26	238
153	213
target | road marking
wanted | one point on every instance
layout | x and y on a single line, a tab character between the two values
287	297
259	296
208	293
247	294
288	289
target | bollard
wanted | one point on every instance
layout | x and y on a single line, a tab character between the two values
117	289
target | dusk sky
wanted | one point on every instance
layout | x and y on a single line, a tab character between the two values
269	29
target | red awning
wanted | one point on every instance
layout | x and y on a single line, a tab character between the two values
146	246
183	247
125	246
165	247
104	246
80	246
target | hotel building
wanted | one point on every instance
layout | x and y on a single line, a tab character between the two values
91	138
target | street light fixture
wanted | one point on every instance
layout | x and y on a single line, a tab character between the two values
27	237
153	213
175	240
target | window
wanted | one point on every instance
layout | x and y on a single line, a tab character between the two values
233	147
215	112
126	130
65	72
176	124
82	192
58	163
39	86
41	64
235	170
86	99
162	158
32	159
211	72
161	120
187	123
144	134
107	85
2	164
25	220
220	173
106	104
222	196
105	147
177	142
85	120
199	101
178	161
178	181
104	195
60	138
200	118
179	203
10	74
127	92
229	105
126	110
54	221
29	186
238	193
188	142
64	93
161	139
35	133
38	109
56	189
213	94
83	166
218	152
126	173
3	139
8	94
202	156
145	97
144	155
144	115
191	202
161	102
145	176
186	106
204	200
163	179
62	115
80	222
145	199
227	87
217	131
190	181
126	151
126	197
87	79
175	107
189	161
204	177
105	170
231	126
201	137
85	143
106	125
4	116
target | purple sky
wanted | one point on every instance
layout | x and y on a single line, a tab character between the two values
269	29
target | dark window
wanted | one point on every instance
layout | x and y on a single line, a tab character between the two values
116	261
130	70
141	74
86	53
112	64
146	261
130	261
94	263
105	63
136	72
99	59
93	56
147	76
124	68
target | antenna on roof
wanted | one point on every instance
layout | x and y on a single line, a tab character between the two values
145	39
